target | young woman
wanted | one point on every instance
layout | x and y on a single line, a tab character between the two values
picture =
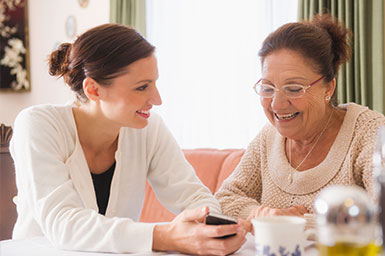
81	168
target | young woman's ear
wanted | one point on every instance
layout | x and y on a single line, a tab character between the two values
91	89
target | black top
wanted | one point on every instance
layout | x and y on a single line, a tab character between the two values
102	185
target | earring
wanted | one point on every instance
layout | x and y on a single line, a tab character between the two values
327	98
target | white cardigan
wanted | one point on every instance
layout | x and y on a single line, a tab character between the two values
56	195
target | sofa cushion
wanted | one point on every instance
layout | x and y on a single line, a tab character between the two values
212	166
207	164
153	210
229	165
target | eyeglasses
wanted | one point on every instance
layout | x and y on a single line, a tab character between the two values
289	90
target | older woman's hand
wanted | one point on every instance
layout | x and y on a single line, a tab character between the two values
188	234
261	211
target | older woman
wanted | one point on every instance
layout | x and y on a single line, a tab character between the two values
310	142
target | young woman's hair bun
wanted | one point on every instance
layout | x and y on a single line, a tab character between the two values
58	60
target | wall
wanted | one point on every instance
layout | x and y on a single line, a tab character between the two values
47	29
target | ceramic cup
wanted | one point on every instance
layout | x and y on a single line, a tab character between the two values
280	235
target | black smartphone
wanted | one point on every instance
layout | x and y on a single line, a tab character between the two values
219	219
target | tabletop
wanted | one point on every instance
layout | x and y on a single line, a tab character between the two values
40	246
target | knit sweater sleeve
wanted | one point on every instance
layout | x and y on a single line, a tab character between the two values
366	128
241	191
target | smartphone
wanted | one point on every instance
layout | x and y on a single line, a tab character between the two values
219	219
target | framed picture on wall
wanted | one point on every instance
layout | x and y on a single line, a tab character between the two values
14	57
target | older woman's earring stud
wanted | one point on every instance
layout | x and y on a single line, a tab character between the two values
327	98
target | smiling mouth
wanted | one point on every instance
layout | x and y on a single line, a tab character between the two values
286	117
144	112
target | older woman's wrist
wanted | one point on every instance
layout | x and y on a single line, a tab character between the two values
245	211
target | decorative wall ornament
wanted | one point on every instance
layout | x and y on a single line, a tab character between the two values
14	56
70	26
83	3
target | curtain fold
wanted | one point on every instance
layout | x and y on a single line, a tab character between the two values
361	80
129	12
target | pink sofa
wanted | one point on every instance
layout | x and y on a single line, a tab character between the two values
212	166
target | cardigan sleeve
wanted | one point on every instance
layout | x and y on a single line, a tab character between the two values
364	143
46	190
241	191
172	178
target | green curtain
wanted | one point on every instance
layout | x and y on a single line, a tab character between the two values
129	12
362	79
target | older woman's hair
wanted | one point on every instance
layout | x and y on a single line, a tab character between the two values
101	53
324	40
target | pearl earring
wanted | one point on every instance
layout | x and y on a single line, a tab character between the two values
327	98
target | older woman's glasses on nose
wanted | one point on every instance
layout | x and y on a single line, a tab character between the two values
289	90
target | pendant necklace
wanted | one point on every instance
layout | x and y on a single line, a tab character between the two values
290	177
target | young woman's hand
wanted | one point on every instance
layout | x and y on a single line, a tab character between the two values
187	233
246	224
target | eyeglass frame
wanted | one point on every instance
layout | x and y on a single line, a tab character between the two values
305	87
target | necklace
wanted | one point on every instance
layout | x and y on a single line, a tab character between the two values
290	178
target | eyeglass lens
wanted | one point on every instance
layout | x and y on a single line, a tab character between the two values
290	90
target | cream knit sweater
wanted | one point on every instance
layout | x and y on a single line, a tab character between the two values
262	175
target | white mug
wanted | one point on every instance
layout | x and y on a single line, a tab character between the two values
279	235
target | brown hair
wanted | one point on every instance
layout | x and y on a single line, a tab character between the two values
100	53
324	40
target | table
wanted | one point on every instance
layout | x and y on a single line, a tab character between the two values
39	246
